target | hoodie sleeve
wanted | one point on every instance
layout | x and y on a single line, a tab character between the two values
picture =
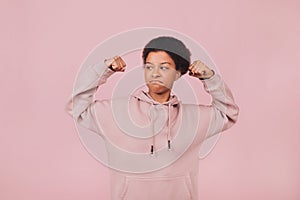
81	103
224	111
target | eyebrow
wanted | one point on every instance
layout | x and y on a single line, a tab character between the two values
160	63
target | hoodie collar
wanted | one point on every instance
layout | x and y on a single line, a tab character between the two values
144	96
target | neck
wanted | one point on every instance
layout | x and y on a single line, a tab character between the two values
161	98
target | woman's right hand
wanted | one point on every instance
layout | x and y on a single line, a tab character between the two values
116	63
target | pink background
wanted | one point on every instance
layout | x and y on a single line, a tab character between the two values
255	44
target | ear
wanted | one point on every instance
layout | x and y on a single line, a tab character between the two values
178	75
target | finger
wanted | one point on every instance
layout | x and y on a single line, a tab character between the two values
123	63
119	63
199	71
196	64
192	68
115	64
196	69
192	71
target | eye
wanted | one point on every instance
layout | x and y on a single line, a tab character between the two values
164	68
148	67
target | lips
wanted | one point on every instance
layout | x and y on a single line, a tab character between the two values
156	82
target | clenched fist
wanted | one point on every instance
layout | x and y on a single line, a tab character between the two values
199	70
116	64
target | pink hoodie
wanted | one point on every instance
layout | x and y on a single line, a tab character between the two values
152	148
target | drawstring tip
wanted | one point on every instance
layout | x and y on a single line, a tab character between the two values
152	150
169	145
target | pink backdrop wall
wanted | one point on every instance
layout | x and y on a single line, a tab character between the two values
254	43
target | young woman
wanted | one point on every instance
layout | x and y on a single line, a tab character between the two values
156	155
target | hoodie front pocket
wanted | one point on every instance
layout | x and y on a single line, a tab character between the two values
158	188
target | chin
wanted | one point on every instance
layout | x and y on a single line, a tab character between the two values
158	91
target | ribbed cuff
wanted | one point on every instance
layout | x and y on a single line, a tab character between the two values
212	83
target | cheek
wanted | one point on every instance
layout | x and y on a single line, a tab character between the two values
145	76
171	78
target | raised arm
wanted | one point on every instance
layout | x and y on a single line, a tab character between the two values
223	109
81	102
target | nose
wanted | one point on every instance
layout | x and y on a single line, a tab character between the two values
155	72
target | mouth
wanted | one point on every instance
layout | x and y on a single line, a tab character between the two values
156	82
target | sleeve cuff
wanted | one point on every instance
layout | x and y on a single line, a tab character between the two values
212	83
103	73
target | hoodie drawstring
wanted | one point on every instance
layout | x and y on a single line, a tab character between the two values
169	127
153	140
153	132
168	134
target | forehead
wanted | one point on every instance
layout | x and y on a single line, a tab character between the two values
159	57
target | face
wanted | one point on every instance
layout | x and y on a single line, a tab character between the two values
160	72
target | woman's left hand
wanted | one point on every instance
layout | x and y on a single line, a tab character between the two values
199	70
